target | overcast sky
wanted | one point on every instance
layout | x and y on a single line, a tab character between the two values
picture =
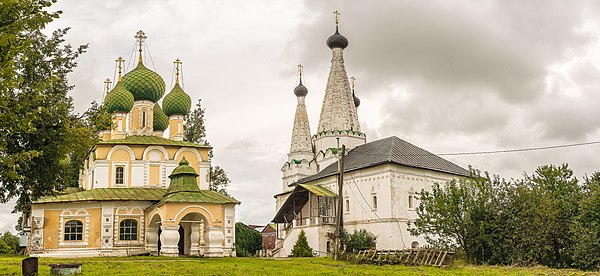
447	76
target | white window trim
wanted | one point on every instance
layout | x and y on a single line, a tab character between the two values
125	184
117	228
81	215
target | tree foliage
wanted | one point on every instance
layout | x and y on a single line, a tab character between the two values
37	128
301	247
9	244
247	240
195	131
545	218
358	240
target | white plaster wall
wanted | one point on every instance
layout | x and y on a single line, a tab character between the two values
139	174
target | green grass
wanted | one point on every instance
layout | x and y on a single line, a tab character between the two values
256	266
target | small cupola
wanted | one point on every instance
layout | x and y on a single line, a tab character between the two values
337	40
183	179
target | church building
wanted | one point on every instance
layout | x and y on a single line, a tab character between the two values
382	178
141	191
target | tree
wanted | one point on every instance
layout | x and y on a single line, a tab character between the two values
301	247
9	244
247	240
586	229
194	131
37	130
358	240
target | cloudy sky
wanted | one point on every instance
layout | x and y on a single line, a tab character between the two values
457	76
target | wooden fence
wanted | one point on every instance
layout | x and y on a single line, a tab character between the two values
423	256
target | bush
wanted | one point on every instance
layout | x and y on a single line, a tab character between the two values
247	240
9	244
359	240
301	248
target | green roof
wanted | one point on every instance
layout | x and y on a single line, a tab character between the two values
204	196
160	121
144	84
150	140
318	190
183	179
119	99
177	102
105	194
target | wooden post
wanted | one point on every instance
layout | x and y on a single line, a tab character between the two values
339	223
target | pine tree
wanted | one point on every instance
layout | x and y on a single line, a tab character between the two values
301	248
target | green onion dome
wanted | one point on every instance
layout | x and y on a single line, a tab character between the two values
177	102
144	83
161	121
119	99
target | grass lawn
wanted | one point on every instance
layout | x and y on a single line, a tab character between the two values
256	266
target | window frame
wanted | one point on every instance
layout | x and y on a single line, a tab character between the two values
131	235
125	166
78	231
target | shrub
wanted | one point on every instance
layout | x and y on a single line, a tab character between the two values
247	240
359	240
301	248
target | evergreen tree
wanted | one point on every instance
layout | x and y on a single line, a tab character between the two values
194	131
301	248
37	128
247	240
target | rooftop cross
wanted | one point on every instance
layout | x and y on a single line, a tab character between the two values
140	36
300	67
120	61
177	62
337	18
107	83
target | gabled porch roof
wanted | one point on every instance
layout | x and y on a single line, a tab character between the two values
296	200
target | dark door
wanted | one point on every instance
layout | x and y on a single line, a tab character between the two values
159	245
181	240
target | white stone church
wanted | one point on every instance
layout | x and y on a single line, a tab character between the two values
381	180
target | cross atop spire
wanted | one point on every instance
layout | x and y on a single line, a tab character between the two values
120	61
140	36
177	62
300	67
337	18
107	83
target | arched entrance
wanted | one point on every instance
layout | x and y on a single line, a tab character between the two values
153	232
192	234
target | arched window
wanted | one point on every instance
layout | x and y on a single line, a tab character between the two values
414	245
143	119
73	230
347	205
374	202
119	175
128	230
411	201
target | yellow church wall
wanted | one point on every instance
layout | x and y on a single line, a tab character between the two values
154	175
51	226
135	119
171	152
119	156
138	151
102	152
95	229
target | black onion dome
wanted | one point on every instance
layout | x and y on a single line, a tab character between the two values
300	90
356	100
337	40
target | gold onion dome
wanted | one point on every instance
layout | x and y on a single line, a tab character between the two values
119	99
144	83
177	102
161	121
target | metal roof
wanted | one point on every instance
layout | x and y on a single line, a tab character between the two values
150	140
296	200
390	150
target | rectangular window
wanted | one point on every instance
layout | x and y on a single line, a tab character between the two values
73	230
128	230
119	175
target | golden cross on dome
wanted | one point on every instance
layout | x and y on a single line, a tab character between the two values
177	62
107	83
353	80
120	61
300	67
140	36
337	18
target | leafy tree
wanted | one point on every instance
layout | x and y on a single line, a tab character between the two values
247	240
586	229
194	131
37	130
358	240
9	244
301	247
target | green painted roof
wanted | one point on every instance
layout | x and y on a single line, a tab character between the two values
183	179
144	83
318	190
104	194
177	102
161	121
204	196
150	140
119	99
